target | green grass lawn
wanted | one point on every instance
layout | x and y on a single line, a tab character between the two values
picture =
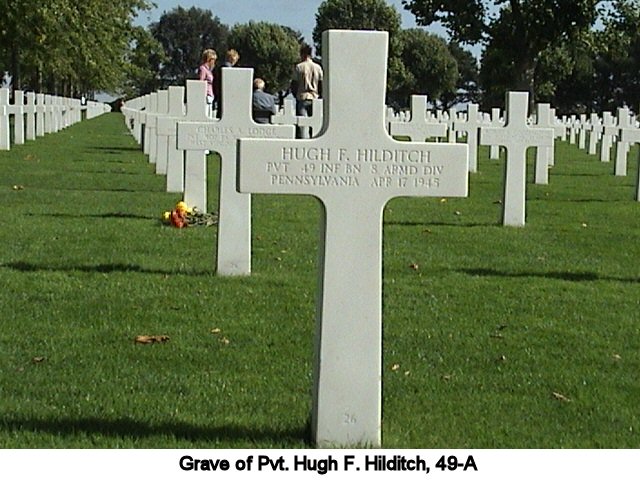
494	337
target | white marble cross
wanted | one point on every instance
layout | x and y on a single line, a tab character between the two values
494	150
631	135
173	163
595	131
608	132
419	127
313	123
544	155
234	212
161	150
17	110
470	127
5	142
622	147
41	115
195	159
286	116
30	110
354	168
516	136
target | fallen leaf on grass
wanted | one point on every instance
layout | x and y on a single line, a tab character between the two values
215	331
559	396
18	187
147	339
395	367
414	266
584	225
38	359
616	356
224	341
457	212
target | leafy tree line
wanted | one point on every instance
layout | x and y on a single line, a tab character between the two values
65	46
580	56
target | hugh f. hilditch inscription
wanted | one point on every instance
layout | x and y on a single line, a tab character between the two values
354	168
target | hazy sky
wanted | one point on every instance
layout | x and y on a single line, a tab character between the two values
297	14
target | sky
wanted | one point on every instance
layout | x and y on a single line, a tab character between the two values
297	14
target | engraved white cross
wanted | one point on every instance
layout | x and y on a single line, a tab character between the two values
354	168
516	136
234	211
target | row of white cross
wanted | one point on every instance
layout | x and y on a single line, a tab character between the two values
36	114
354	166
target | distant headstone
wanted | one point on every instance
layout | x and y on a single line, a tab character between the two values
354	168
419	127
30	111
609	131
622	147
630	135
470	127
516	136
195	160
17	110
173	163
544	155
5	142
496	121
312	123
595	131
234	213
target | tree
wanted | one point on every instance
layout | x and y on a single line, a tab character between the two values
67	47
184	34
143	61
467	85
518	30
356	15
617	63
272	50
429	67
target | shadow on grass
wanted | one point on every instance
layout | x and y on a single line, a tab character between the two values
443	224
568	276
130	428
114	150
99	268
101	215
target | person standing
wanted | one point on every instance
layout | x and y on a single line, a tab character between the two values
264	104
306	86
205	73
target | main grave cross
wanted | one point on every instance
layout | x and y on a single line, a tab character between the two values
516	136
354	168
234	210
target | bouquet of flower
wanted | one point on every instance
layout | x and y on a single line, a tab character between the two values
184	216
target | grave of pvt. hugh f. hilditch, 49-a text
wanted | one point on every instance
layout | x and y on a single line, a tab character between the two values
354	168
234	211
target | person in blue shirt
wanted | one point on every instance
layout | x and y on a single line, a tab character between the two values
264	104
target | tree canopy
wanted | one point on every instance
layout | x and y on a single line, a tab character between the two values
65	46
272	51
518	31
185	34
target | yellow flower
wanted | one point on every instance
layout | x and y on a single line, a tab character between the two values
182	207
166	217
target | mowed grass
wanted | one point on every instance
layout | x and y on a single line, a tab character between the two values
494	337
